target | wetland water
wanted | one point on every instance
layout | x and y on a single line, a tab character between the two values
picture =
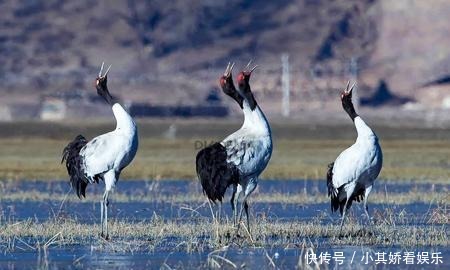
142	202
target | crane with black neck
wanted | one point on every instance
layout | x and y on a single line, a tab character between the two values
105	156
241	157
351	177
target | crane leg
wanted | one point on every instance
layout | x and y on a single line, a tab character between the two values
110	179
343	217
104	208
251	185
106	216
235	203
102	215
241	212
244	207
246	214
233	208
366	208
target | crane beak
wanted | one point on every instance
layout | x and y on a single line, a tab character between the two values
351	88
248	64
348	89
101	70
228	69
247	68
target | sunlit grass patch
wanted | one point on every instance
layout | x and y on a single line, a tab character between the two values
174	159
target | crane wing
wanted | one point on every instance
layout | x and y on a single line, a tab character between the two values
245	153
100	154
356	163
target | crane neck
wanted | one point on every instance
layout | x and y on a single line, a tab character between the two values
124	121
254	119
363	130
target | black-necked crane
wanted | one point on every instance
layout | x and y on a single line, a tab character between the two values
351	177
105	156
241	157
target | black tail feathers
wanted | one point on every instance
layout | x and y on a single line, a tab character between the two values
330	179
339	204
71	154
214	172
334	194
358	194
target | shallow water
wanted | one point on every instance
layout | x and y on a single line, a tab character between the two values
181	186
91	257
347	257
89	212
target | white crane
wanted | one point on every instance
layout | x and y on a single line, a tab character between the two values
351	177
241	157
105	156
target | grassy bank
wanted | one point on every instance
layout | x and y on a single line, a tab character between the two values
174	159
33	150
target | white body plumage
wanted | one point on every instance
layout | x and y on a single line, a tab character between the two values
361	163
250	147
109	153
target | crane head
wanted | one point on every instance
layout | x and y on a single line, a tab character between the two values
244	76
226	81
101	80
347	93
244	85
347	104
101	84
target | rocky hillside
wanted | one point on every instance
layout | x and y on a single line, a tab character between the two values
172	52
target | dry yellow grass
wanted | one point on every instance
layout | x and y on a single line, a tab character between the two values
35	158
204	235
32	150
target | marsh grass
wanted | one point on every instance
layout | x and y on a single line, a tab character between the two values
159	234
215	236
33	152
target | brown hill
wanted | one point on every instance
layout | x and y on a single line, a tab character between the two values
172	52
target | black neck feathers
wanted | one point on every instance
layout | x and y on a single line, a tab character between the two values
347	104
244	86
238	98
251	100
102	90
107	97
230	90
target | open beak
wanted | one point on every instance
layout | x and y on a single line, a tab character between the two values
247	67
348	90
100	76
228	69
